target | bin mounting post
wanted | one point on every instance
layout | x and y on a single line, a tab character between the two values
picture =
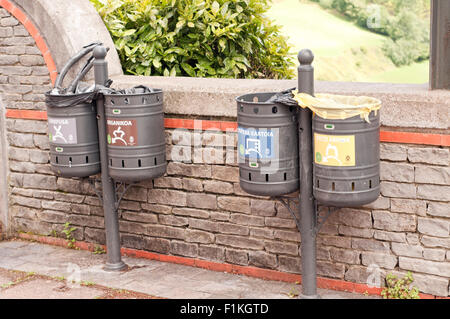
307	213
114	260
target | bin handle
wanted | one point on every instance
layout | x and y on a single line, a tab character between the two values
85	50
86	68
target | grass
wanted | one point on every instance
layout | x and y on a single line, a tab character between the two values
414	73
343	51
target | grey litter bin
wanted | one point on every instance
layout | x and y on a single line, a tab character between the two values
267	145
346	169
73	138
72	122
135	134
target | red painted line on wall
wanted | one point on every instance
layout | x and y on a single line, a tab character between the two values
268	274
26	114
415	138
22	17
227	126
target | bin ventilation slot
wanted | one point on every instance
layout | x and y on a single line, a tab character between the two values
333	186
274	109
249	176
56	159
155	161
318	184
123	163
285	176
110	162
87	159
139	163
267	177
370	183
353	186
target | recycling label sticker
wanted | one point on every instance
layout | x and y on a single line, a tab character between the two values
334	150
62	130
257	143
122	132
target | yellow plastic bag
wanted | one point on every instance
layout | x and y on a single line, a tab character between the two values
338	107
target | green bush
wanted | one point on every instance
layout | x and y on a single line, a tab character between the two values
198	38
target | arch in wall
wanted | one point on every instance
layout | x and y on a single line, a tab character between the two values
59	30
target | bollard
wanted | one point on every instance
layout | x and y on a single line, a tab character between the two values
308	219
114	261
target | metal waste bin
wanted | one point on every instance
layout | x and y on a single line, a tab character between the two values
267	145
73	138
135	134
72	122
346	170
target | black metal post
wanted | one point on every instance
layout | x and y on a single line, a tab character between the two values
308	220
114	261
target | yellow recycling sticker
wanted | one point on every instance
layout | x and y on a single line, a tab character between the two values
334	150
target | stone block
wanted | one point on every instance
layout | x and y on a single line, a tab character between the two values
425	266
355	217
395	189
386	220
200	200
278	247
214	253
198	236
262	259
401	249
396	172
261	207
410	206
432	175
219	187
433	227
167	196
238	257
429	155
344	255
433	192
234	204
239	242
382	260
183	248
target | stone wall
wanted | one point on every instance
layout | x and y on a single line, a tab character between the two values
198	209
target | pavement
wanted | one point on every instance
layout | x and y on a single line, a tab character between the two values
30	270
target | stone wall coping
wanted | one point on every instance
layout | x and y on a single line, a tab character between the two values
404	105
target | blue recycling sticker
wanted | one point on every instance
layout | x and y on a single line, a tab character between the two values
257	143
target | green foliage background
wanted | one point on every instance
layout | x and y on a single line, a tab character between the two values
405	22
197	38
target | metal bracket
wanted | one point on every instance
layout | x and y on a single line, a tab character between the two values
319	222
92	181
287	204
121	188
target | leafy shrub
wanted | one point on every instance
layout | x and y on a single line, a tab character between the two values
198	38
400	288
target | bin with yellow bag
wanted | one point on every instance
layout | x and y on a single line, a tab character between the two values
346	146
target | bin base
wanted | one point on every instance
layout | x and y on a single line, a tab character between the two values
76	171
131	175
269	189
346	199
